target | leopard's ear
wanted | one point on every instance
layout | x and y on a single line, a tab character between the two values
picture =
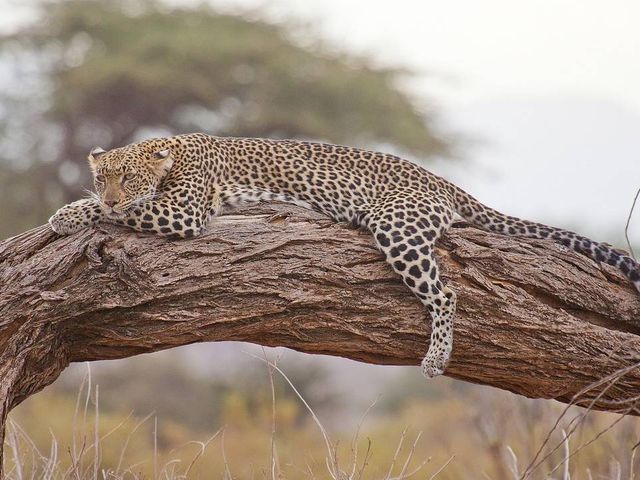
94	154
161	162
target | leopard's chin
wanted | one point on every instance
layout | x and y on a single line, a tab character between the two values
113	215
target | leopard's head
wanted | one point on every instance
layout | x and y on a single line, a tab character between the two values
128	176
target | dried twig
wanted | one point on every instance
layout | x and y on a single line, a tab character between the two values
611	379
397	452
354	444
203	446
274	456
331	451
442	467
626	228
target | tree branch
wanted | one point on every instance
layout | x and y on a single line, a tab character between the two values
533	317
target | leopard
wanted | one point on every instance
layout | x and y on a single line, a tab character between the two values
174	186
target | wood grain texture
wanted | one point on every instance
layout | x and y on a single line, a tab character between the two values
533	317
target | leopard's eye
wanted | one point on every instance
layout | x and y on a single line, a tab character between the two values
128	176
100	178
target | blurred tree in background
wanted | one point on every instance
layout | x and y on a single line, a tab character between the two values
90	72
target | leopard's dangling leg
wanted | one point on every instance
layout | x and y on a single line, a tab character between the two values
406	232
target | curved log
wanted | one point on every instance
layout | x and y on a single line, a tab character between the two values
533	317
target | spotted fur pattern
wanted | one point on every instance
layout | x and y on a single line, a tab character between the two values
173	186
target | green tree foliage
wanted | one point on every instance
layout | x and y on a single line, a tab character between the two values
145	69
90	72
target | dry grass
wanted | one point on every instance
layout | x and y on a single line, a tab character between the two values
26	461
353	470
587	397
513	442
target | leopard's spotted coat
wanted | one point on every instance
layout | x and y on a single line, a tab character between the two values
173	186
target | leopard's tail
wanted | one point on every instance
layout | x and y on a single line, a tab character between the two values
489	219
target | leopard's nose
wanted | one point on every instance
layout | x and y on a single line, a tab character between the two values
110	203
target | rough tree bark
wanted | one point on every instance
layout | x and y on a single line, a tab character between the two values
533	317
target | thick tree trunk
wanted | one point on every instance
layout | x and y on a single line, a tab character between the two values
533	317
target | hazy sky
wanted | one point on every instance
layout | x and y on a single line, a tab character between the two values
489	48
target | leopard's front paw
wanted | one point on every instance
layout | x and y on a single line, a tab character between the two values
63	225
